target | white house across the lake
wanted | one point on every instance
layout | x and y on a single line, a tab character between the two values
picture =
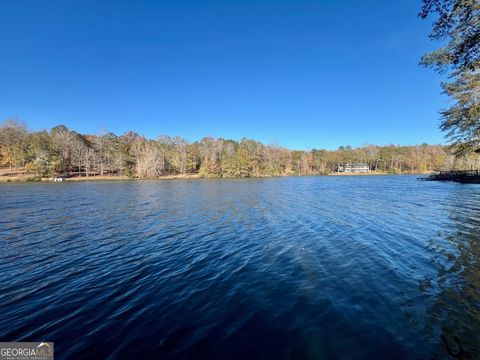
353	168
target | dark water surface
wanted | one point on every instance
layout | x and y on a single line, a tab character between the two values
299	268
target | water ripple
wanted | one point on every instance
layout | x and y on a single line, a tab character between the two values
311	267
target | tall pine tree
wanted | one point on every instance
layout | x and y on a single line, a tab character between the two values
457	26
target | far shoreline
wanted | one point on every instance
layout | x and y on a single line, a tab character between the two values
24	177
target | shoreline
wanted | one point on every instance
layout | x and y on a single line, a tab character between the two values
23	177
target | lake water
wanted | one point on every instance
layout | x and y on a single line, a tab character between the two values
281	268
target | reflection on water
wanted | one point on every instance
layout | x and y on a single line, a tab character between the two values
455	313
288	268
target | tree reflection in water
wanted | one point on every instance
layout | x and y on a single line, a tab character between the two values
455	314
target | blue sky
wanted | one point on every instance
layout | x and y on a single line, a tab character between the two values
302	74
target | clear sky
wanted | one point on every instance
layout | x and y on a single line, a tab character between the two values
302	74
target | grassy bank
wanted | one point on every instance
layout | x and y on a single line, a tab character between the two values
359	174
21	175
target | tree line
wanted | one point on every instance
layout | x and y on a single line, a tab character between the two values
65	151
